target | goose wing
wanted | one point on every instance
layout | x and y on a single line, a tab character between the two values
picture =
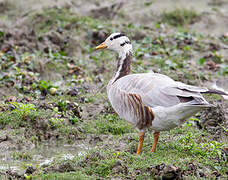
160	90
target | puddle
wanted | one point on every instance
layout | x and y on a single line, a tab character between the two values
41	156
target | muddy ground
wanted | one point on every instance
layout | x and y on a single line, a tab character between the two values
55	119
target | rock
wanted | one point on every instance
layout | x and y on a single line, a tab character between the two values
165	172
64	167
30	170
73	91
53	91
12	99
95	139
171	172
3	137
15	174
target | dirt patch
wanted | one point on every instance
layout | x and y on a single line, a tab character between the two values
215	120
18	48
107	12
4	6
209	24
28	41
166	172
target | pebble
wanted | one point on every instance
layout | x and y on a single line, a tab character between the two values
53	91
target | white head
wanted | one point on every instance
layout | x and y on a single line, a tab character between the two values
117	42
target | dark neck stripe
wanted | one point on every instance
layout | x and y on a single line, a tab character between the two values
124	68
126	42
117	36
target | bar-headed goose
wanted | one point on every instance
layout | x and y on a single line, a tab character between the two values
149	99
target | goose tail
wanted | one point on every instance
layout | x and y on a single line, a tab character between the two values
215	91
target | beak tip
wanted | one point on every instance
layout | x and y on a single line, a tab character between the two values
101	46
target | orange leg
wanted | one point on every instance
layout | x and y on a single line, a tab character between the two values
156	137
141	138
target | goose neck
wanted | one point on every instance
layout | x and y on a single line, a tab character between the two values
123	66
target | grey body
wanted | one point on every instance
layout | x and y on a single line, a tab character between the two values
159	93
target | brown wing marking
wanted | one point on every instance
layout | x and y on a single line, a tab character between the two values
144	113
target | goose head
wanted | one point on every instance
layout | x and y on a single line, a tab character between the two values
117	42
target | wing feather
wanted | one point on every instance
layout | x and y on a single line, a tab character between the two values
160	90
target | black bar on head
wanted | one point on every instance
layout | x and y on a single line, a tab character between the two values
125	42
118	35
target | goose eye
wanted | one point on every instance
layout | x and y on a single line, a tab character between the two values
111	38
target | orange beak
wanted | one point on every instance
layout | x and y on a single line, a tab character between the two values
101	46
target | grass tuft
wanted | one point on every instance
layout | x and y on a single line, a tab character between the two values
180	17
112	124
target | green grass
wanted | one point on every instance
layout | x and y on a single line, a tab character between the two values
21	156
62	19
63	176
180	17
179	147
112	124
52	18
36	121
20	116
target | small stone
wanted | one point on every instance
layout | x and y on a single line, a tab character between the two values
70	66
73	91
71	71
28	98
3	137
153	53
12	99
31	74
225	34
53	91
30	170
67	102
118	163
